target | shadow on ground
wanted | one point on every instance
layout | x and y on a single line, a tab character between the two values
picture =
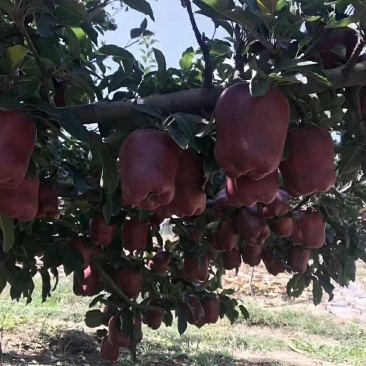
74	348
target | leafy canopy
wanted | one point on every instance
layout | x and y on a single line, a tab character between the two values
51	57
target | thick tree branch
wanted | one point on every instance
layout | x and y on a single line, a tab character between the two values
190	101
352	61
207	81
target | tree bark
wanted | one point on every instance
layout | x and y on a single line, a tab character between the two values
194	100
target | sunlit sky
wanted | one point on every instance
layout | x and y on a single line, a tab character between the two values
171	27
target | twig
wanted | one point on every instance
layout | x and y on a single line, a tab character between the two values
208	74
315	43
356	102
120	293
302	202
251	283
238	58
356	106
99	5
111	283
132	43
19	16
42	67
352	61
289	214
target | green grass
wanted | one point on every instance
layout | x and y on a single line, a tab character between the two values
353	354
267	330
62	306
288	318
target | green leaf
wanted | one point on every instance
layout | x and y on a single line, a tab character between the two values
101	333
293	65
113	50
227	292
179	137
351	159
110	172
2	276
180	312
186	123
210	165
305	41
346	21
46	284
7	5
96	300
210	8
68	16
140	5
54	272
7	227
258	85
143	115
244	312
324	281
296	286
74	43
94	318
143	24
72	259
226	9
224	24
160	59
107	208
168	318
268	6
38	6
25	89
187	59
317	292
69	122
136	32
16	55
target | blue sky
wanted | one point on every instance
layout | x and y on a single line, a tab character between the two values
171	27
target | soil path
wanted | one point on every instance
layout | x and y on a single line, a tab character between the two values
349	303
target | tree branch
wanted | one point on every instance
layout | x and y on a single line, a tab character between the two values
193	100
208	75
297	207
238	58
42	67
119	292
352	61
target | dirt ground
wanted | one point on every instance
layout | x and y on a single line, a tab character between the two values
74	344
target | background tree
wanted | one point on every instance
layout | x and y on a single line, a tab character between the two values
71	195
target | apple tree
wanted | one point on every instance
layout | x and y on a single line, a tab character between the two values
253	150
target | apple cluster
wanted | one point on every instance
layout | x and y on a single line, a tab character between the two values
22	195
251	136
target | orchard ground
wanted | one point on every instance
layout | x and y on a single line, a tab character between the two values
280	331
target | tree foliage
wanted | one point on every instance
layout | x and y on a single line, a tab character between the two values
53	67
